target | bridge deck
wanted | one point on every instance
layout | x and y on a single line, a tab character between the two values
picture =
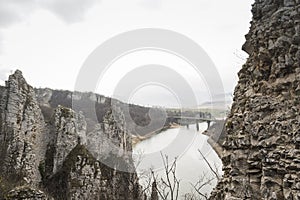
193	118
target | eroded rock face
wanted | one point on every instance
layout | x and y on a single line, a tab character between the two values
89	170
70	130
50	153
262	146
21	125
84	177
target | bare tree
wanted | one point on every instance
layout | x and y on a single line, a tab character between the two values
214	171
202	182
167	187
206	180
148	182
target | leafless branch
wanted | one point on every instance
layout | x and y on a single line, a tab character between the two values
203	181
214	171
168	186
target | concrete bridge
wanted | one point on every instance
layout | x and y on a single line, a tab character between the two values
185	120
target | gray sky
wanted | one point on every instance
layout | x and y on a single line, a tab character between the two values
50	40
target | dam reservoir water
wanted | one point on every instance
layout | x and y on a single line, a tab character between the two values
190	164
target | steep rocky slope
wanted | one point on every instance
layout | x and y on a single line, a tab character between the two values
46	156
21	133
262	146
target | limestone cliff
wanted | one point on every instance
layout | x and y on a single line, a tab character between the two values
44	155
21	132
262	145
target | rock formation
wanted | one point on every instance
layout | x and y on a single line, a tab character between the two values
70	130
44	152
262	146
21	131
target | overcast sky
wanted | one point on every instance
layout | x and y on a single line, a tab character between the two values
49	40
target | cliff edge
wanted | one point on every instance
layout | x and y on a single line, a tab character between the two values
262	146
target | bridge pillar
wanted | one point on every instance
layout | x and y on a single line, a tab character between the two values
208	124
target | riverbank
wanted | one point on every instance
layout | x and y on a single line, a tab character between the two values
137	139
216	135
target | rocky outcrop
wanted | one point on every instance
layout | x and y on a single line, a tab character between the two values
262	145
89	168
114	139
21	125
70	130
84	177
47	150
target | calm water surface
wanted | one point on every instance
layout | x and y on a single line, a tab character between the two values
190	164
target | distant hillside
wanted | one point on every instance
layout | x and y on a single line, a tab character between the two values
94	107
